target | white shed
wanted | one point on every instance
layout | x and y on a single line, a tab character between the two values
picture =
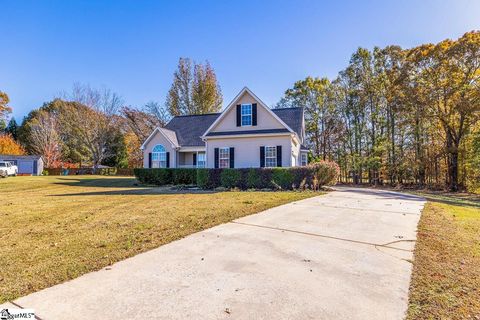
26	164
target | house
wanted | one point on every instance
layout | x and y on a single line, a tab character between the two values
26	164
247	134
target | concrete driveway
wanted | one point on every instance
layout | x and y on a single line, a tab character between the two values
344	255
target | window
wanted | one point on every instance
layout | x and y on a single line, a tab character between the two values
304	159
3	164
246	115
201	160
224	158
270	156
159	157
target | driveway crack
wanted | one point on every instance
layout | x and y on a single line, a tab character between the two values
323	236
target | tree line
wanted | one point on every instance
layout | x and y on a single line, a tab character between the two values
93	127
399	116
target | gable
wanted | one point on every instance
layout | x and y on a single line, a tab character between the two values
161	136
266	119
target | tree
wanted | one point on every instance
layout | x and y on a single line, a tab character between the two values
194	90
45	139
90	120
448	79
315	95
9	146
158	111
141	123
12	128
117	151
4	108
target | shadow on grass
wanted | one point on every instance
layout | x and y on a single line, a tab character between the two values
466	200
383	194
461	200
128	186
98	182
131	192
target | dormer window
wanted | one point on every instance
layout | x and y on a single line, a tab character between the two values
246	115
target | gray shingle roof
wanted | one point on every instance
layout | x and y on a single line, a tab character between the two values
293	117
189	128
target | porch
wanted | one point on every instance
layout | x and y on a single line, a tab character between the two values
191	159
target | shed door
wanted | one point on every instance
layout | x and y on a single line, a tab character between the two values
25	166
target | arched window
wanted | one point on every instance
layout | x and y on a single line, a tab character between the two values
159	157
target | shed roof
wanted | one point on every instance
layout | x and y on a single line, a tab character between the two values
4	157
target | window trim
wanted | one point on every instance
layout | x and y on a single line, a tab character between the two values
274	157
246	114
157	157
204	161
226	157
303	164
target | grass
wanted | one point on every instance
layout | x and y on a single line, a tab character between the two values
446	270
53	229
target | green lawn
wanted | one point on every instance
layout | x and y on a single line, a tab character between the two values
446	270
53	229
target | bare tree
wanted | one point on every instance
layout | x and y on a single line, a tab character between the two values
44	138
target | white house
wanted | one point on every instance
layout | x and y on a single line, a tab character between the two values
247	134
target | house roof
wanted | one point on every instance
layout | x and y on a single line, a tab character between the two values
189	129
293	117
7	157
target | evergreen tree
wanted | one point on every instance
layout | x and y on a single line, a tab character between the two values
12	128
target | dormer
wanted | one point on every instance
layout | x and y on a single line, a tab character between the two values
247	112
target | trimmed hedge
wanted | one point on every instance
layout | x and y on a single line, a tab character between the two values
310	177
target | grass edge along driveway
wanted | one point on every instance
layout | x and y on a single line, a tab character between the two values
53	229
446	268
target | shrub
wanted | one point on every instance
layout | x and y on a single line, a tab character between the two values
325	172
230	178
156	176
252	179
214	178
282	178
202	178
309	177
184	176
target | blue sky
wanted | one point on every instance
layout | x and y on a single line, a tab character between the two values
132	47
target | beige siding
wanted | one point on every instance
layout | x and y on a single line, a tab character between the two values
265	120
158	138
247	149
296	154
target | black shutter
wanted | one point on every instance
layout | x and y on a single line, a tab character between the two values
35	168
150	160
168	159
254	114
262	157
239	115
216	158
194	159
279	156
232	157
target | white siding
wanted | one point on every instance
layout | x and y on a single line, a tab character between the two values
247	149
